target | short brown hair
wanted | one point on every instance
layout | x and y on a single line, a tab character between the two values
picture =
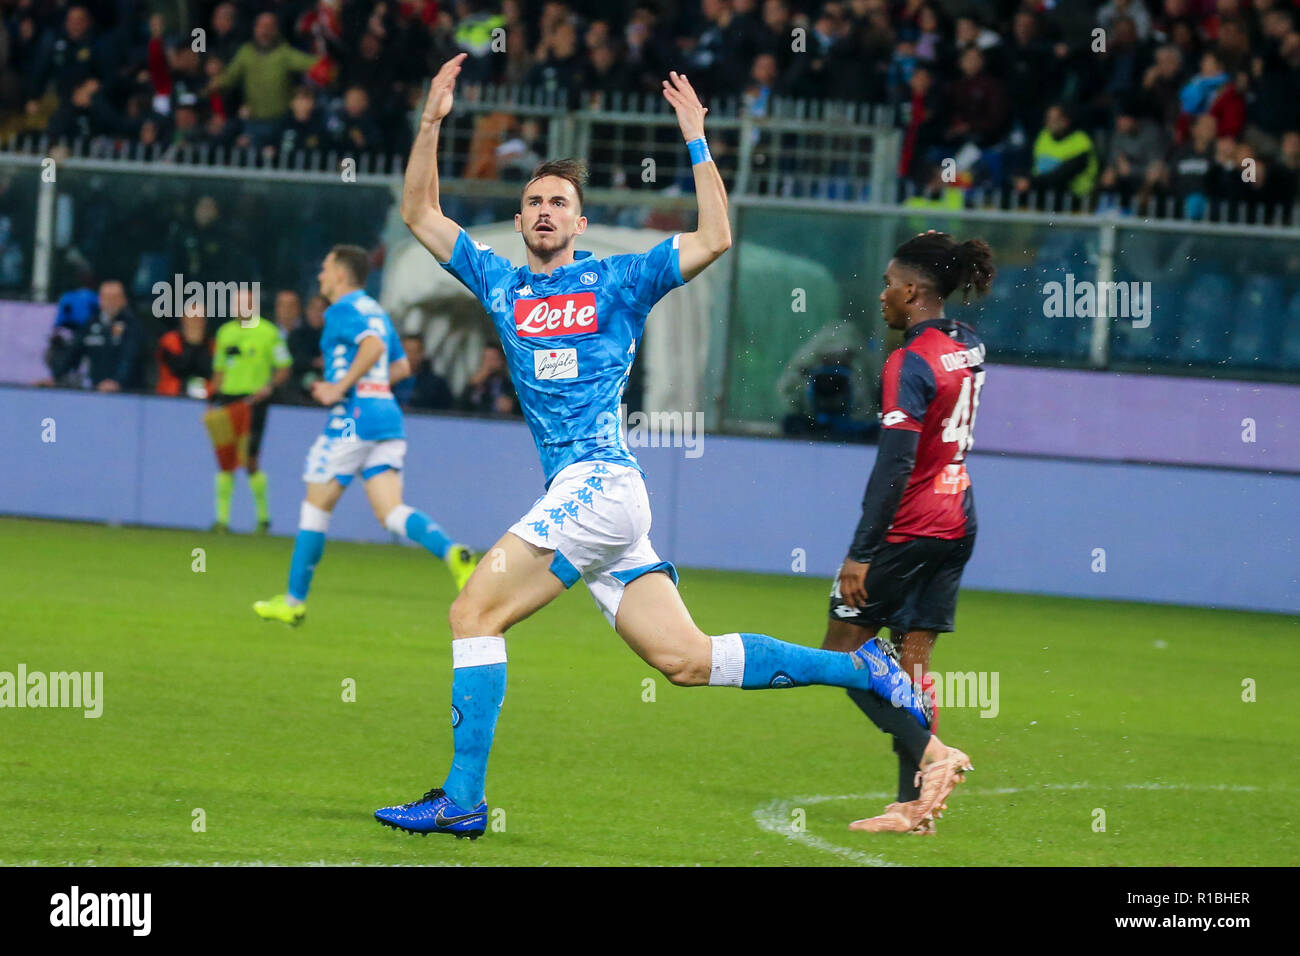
355	259
574	170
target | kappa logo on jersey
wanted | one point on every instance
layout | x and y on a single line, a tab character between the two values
524	290
555	363
572	314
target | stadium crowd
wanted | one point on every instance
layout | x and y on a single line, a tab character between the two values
1150	100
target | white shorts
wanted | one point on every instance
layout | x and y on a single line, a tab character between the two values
341	458
596	518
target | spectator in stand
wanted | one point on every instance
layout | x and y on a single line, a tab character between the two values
831	68
1064	160
724	47
1135	146
1285	173
924	133
263	69
1190	167
304	349
1030	81
604	73
288	311
1237	176
489	389
557	64
353	130
186	129
227	35
1132	10
84	114
185	356
977	105
646	41
184	78
931	44
110	346
1162	82
1275	110
1198	94
68	58
303	130
425	389
762	83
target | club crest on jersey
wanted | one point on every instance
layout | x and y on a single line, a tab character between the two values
587	278
571	314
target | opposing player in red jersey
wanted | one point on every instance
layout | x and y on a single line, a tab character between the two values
918	513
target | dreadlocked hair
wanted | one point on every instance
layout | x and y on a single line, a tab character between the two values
949	265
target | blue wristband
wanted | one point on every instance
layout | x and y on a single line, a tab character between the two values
699	149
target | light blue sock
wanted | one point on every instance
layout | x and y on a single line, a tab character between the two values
478	686
754	661
420	528
307	551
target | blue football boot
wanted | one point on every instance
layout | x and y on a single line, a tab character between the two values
888	680
435	813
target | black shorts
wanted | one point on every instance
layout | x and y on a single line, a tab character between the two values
911	586
256	424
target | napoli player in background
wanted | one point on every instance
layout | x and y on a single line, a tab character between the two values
917	529
364	434
570	326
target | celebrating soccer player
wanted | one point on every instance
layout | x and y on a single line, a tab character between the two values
365	434
570	326
918	514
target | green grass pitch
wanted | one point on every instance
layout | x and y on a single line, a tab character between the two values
1131	709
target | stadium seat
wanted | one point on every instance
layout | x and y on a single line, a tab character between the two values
1206	320
1155	342
1058	337
1289	350
1259	323
1000	318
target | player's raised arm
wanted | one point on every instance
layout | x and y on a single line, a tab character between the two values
712	235
420	207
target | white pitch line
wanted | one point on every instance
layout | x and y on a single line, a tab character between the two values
776	817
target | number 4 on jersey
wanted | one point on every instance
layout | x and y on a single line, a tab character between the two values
960	425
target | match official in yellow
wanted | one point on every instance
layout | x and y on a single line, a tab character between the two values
250	360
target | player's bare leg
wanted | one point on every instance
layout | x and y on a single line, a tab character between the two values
653	620
324	494
512	581
846	637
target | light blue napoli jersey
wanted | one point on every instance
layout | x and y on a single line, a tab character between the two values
570	338
368	411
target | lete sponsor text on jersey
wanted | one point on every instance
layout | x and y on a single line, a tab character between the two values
571	314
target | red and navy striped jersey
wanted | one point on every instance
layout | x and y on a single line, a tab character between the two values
932	386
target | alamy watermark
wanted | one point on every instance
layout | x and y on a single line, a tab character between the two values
216	300
963	689
655	429
78	690
1084	299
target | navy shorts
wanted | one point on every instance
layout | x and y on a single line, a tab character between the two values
911	586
